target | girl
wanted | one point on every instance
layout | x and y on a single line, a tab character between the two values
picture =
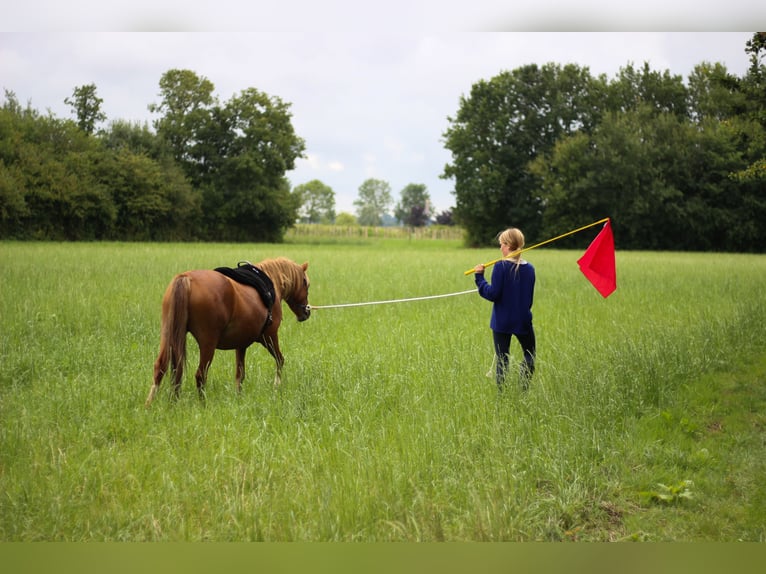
511	292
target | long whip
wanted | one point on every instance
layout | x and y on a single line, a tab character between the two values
519	251
312	307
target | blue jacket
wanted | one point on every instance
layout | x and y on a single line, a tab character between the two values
512	291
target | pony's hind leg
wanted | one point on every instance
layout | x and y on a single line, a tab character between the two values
160	368
177	364
158	374
239	375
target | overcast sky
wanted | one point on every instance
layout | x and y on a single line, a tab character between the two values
369	100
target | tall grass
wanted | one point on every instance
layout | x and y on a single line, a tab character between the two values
386	426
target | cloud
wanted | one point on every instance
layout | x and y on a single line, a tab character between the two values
313	163
410	16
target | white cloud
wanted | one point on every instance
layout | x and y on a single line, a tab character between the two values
314	163
310	161
411	16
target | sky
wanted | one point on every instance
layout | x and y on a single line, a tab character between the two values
370	92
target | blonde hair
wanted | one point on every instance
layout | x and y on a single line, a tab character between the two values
512	237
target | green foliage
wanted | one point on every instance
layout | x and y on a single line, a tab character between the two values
670	494
676	167
714	94
317	202
86	106
236	154
662	93
137	138
412	209
153	201
677	193
56	181
373	201
345	218
754	83
211	171
385	427
504	124
185	112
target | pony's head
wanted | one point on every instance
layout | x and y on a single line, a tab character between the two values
292	284
298	301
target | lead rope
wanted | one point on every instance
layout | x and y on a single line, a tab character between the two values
312	307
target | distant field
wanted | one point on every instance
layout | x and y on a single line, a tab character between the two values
645	421
308	232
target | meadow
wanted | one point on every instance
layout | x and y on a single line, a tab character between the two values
645	420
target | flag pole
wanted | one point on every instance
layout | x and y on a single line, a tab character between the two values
519	251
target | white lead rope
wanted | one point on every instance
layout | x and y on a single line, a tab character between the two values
312	307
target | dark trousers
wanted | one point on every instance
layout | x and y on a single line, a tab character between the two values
502	351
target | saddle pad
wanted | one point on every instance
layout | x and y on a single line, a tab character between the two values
249	274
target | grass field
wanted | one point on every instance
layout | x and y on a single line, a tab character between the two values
645	420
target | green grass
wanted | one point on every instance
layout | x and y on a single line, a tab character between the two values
386	427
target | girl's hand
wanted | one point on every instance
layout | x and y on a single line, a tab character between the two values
479	269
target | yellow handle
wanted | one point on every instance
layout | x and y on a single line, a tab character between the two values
489	264
519	251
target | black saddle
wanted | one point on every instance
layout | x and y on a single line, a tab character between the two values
248	274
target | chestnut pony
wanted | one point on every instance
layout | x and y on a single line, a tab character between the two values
223	314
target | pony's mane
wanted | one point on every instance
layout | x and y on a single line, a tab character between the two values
284	273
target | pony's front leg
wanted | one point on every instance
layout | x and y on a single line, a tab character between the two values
272	344
278	374
205	358
239	375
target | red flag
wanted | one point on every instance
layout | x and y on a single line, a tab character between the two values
597	263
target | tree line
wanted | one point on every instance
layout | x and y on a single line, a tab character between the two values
208	170
677	166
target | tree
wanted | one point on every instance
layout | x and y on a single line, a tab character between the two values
503	125
714	94
13	204
236	154
185	110
48	188
136	137
622	170
666	182
346	219
754	88
317	202
414	206
660	92
153	199
247	194
86	106
445	218
373	201
754	83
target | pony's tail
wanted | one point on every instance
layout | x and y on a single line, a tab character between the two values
174	325
175	315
